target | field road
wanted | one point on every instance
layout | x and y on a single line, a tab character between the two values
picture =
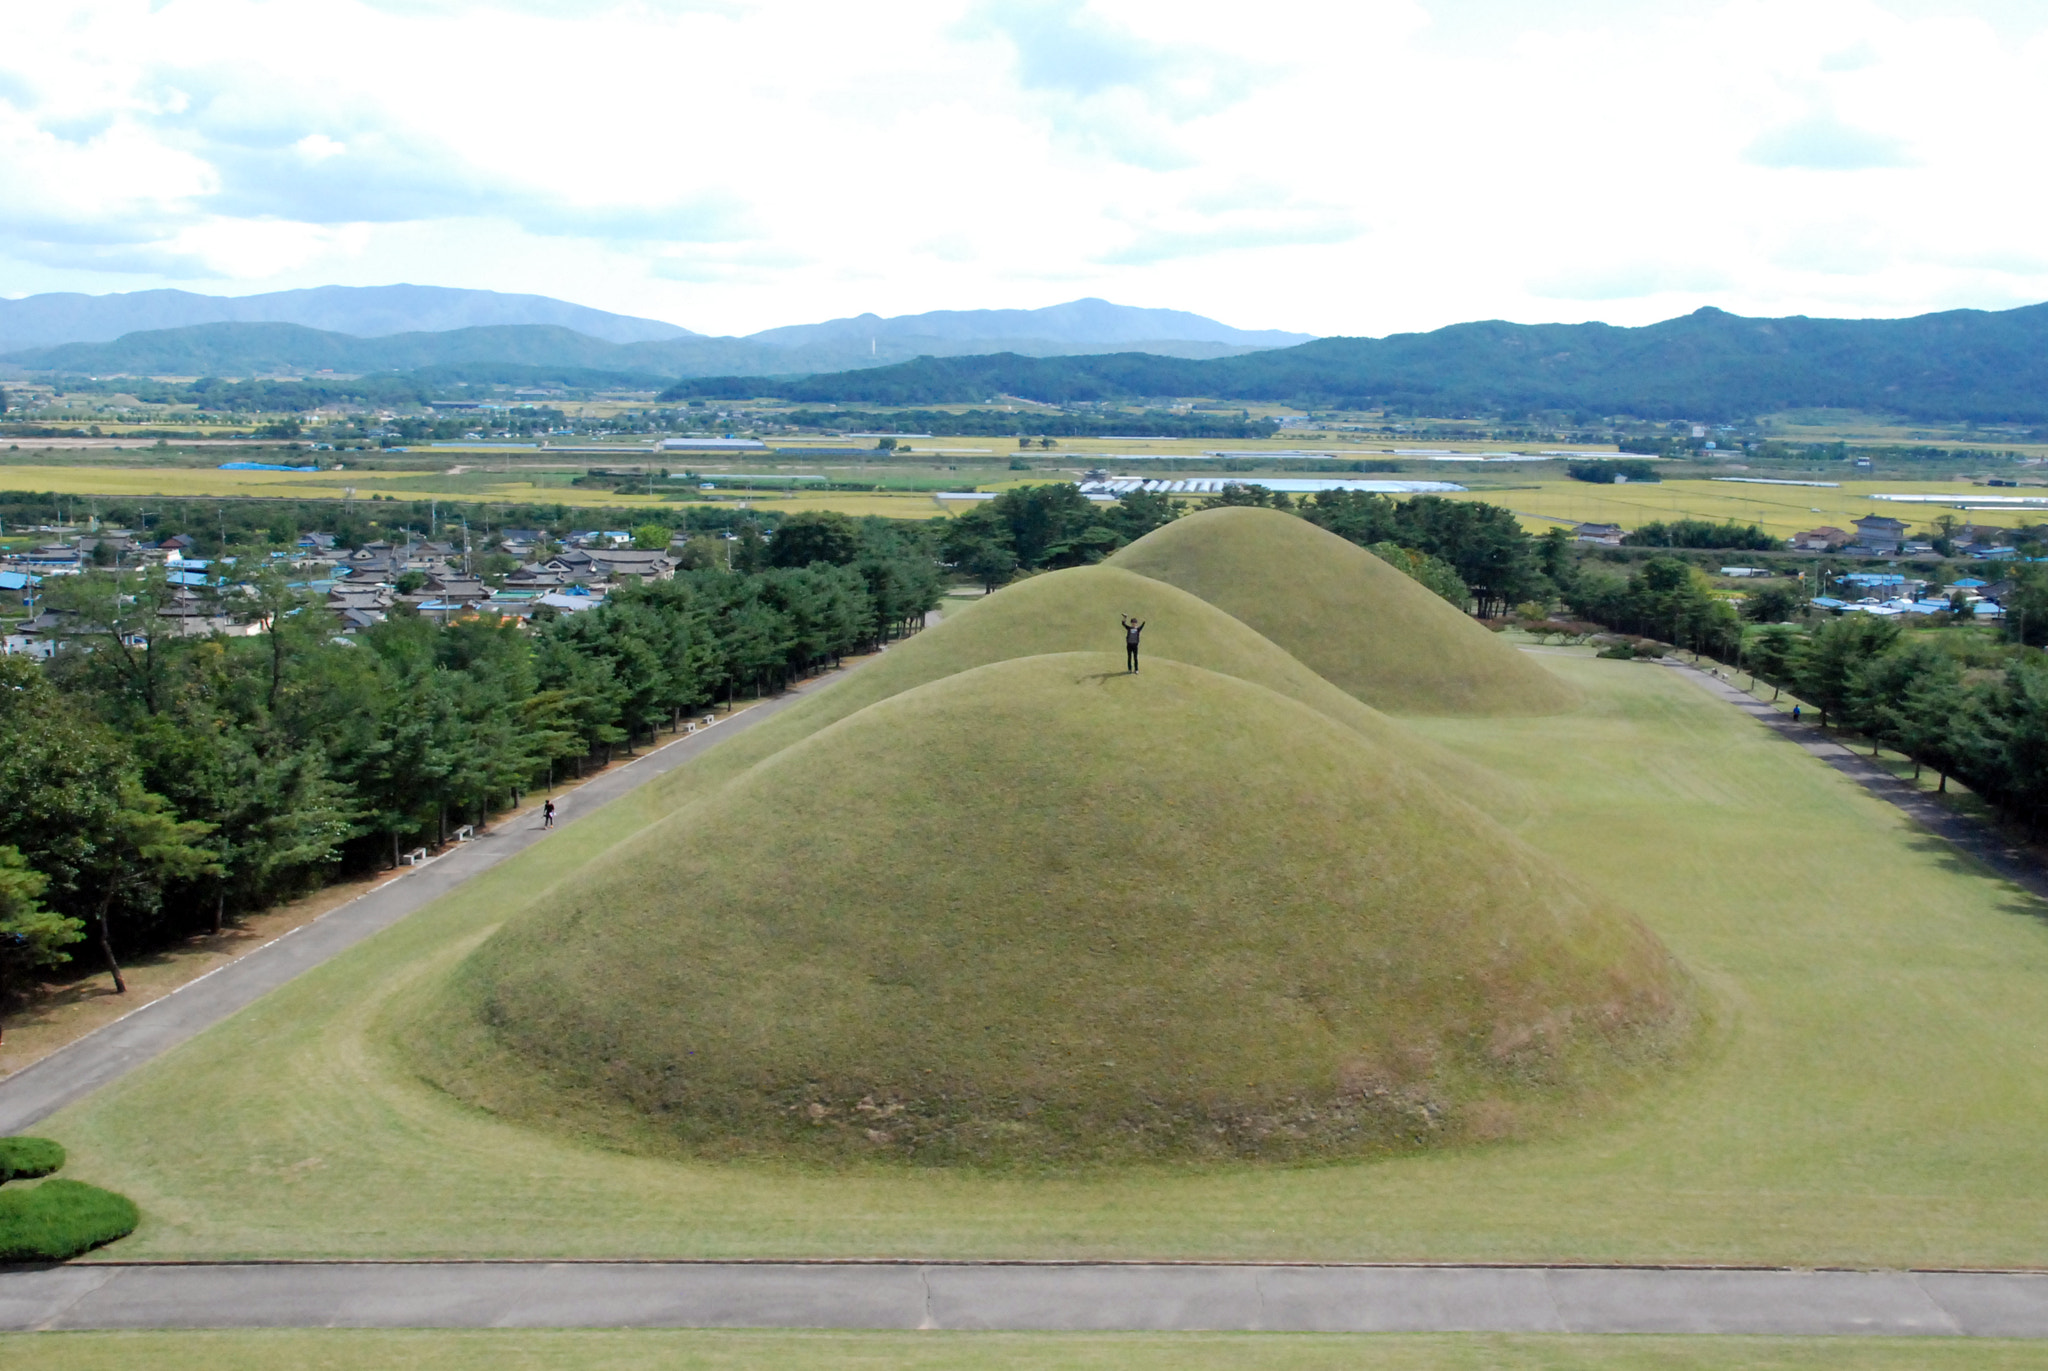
1027	1297
76	1070
1974	838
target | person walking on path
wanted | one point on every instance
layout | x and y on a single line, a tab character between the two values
1132	628
1795	714
547	815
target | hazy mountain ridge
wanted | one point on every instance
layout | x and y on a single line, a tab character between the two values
1089	321
272	349
1960	364
39	321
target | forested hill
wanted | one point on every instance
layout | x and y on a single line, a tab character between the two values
1962	364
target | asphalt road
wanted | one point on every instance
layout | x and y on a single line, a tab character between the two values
76	1070
1024	1297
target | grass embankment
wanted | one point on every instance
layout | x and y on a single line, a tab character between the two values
720	1350
1346	614
1063	957
1874	1095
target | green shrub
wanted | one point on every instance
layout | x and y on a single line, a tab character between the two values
59	1219
23	1159
1620	650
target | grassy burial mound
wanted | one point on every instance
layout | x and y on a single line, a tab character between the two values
1345	613
1045	911
1074	611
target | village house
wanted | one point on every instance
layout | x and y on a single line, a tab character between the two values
1826	538
1880	533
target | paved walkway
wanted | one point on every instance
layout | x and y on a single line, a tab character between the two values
1974	838
76	1070
1024	1297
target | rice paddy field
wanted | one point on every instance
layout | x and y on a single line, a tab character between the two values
1779	509
1867	1093
1539	492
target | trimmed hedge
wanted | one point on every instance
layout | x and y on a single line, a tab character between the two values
24	1159
59	1219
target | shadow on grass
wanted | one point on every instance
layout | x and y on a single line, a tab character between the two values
2028	899
1100	677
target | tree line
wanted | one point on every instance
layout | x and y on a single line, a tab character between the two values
152	784
1973	706
1476	555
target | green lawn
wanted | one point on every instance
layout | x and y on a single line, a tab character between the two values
633	1350
1873	1093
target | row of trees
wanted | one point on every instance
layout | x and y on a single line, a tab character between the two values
149	787
1958	703
1968	705
1665	598
1703	533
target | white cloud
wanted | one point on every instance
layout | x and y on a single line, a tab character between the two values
735	164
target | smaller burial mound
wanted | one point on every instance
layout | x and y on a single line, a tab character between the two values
1046	912
1077	610
1346	614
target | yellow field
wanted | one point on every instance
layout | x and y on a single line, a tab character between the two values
1545	502
1783	510
471	486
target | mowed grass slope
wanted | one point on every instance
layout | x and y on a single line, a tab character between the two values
1873	1094
1346	614
1077	611
1046	910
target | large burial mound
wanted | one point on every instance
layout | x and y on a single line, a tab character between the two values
1078	610
1345	613
1042	911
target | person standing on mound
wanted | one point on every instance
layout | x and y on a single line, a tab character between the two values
1132	628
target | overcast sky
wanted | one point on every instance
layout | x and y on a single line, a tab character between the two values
1340	166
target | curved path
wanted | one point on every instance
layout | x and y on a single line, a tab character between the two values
1025	1296
79	1068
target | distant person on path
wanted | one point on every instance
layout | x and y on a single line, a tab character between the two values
1795	714
1132	628
547	815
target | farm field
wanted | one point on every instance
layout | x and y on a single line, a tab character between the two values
1783	510
720	1350
515	487
1867	1095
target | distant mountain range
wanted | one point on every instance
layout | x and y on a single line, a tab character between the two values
1961	364
1087	325
384	328
41	321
